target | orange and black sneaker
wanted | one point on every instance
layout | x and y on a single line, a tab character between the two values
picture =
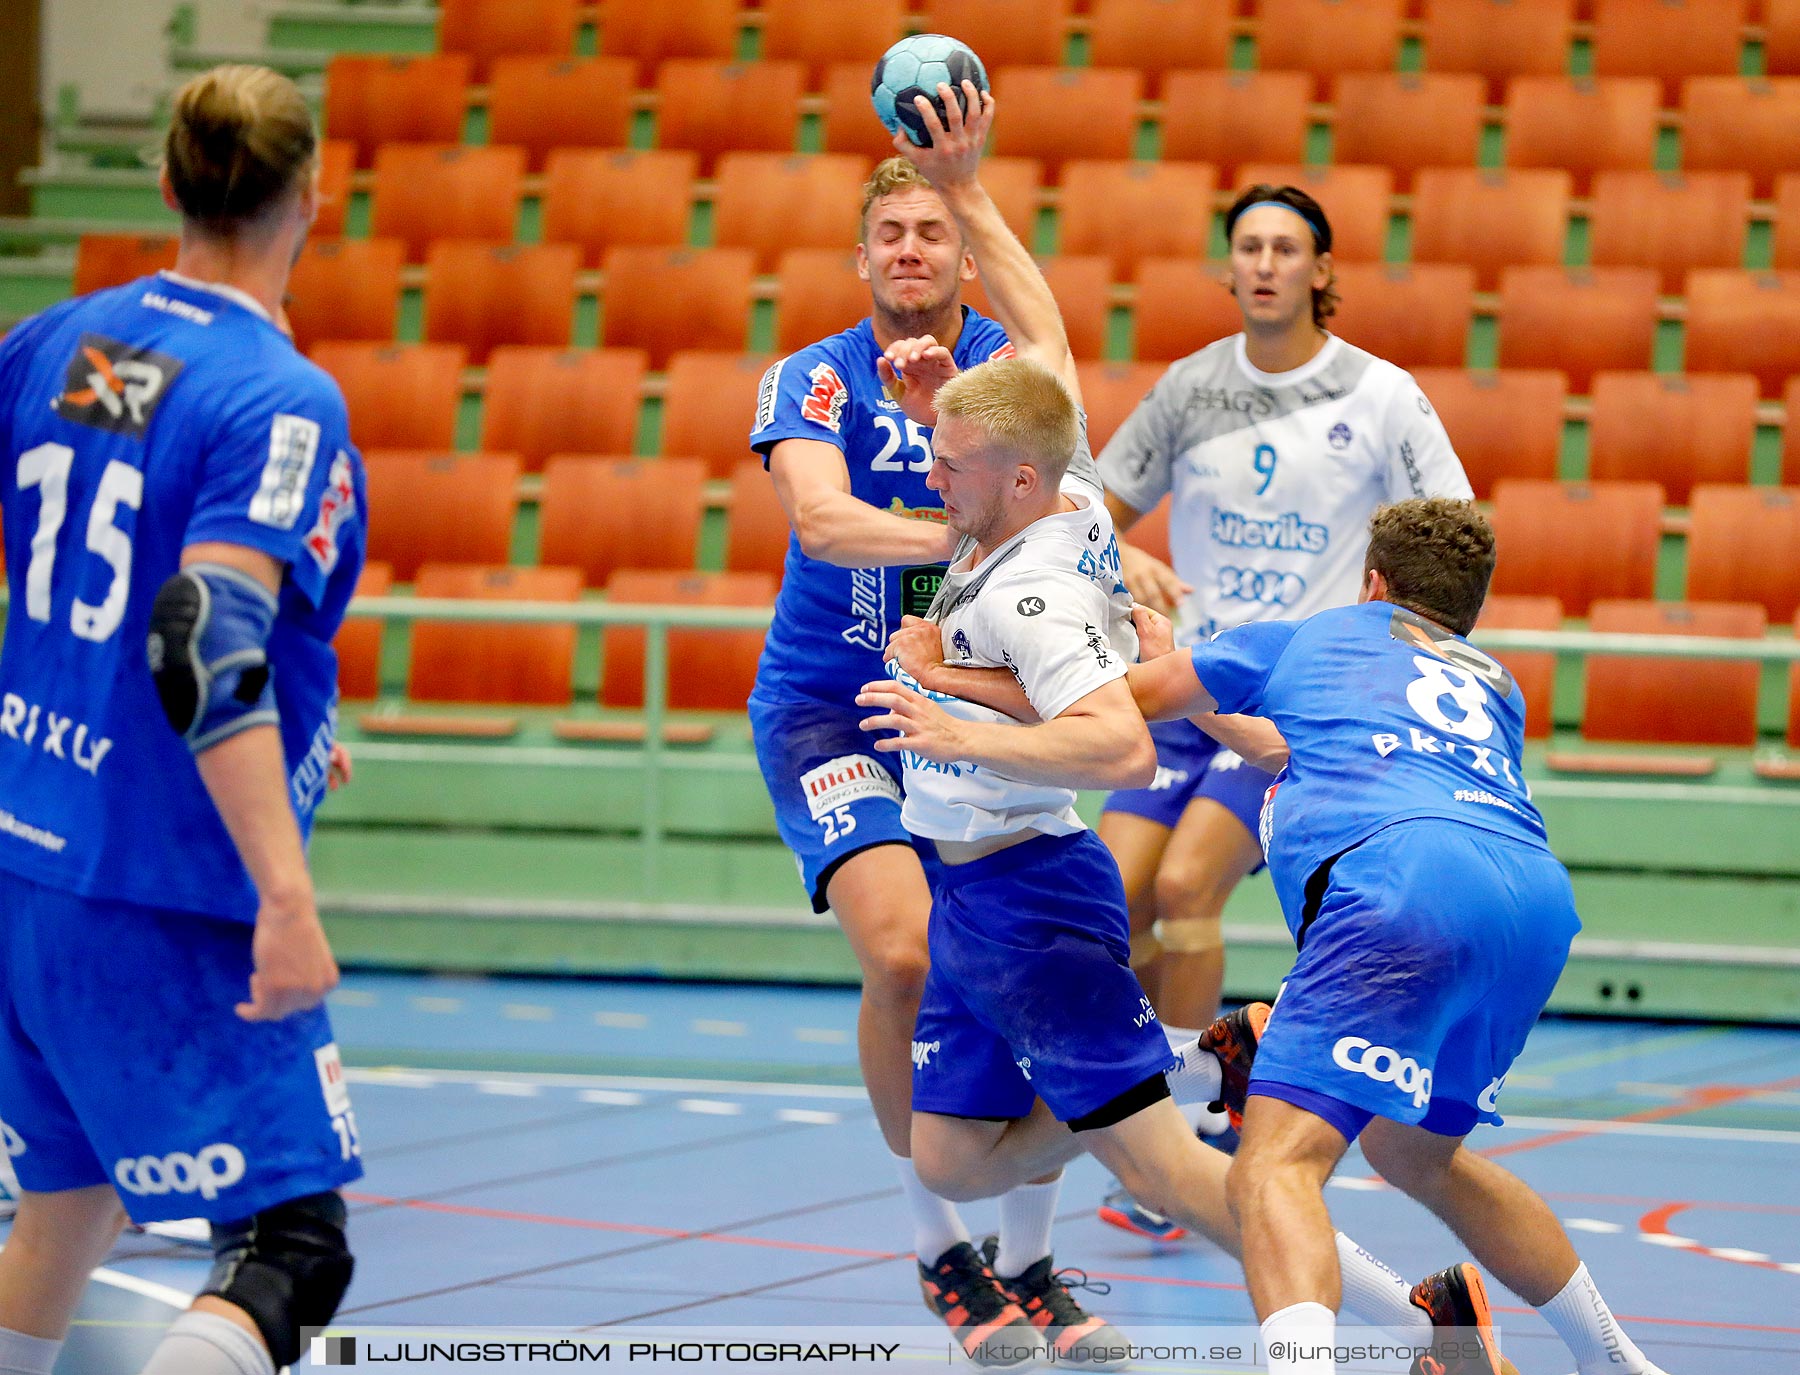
1074	1334
989	1326
1456	1301
1233	1039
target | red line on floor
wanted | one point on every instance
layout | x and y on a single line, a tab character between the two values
1656	1223
1695	1100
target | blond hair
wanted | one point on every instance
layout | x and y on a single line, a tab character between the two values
1020	405
890	175
239	140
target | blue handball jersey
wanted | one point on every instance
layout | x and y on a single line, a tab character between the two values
133	422
1387	717
831	624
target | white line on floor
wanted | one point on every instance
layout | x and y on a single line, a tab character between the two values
617	1098
710	1107
1592	1224
710	1026
624	1021
528	1012
809	1115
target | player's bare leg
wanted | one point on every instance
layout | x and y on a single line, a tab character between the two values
1209	853
57	1239
1137	844
1277	1194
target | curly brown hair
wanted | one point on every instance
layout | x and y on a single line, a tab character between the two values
1437	555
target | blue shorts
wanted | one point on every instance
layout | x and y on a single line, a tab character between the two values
834	795
1434	948
1030	993
1190	764
123	1062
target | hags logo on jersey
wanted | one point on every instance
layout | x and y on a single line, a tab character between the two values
336	507
824	404
115	387
215	1168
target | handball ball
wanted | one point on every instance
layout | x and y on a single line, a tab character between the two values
914	67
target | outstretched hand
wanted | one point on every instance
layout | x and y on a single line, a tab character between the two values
911	372
956	141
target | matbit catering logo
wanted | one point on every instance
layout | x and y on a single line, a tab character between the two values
824	404
848	778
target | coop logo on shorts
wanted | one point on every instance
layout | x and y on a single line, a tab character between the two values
11	1142
824	404
113	386
922	1051
208	1173
848	778
1384	1066
1489	1101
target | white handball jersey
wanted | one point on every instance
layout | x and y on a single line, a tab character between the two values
1049	605
1275	475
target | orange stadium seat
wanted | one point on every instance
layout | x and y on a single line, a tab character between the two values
1670	221
543	401
1499	39
1577	540
1059	113
817	294
1741	547
1082	287
488	30
376	99
821	32
1691	701
345	289
596	199
850	122
1745	322
1415	316
401	396
599	515
1669	39
1675	430
103	260
651	31
756	531
1134	210
491	661
358	641
1790	433
1355	200
724	107
1502	424
663	299
770	202
1160	36
1781	37
1229	118
1733	124
456	508
544	103
1793	730
1408	120
1012	184
1006	33
337	160
1326	37
1533	670
480	295
1491	219
1182	306
709	670
426	191
1577	320
1110	392
709	406
1582	124
1787	222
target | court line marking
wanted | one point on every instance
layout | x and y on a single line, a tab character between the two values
1653	1227
1697	1099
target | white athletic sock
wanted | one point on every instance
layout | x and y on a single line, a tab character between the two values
1299	1338
206	1344
936	1224
1591	1332
21	1354
1180	1035
1026	1214
1377	1295
1196	1079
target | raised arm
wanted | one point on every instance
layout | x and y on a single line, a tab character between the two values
835	527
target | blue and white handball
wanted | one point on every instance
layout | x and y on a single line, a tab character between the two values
914	67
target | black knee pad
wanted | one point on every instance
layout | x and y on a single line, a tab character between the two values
287	1267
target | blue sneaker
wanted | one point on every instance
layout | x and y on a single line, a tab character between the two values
1123	1211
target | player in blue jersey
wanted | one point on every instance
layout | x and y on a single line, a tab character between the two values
184	525
868	547
1432	922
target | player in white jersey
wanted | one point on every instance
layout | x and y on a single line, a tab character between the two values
1275	446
